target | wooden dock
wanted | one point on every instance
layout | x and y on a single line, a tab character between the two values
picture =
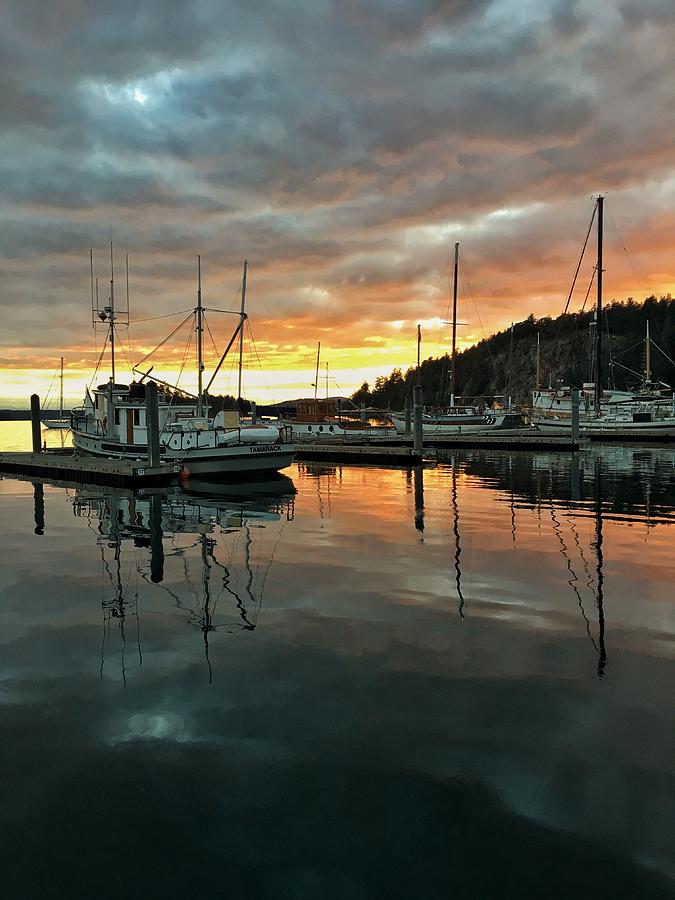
70	466
511	439
379	455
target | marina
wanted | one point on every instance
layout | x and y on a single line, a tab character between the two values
346	587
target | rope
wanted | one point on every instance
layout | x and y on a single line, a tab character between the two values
168	337
178	312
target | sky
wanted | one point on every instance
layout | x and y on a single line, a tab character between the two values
342	147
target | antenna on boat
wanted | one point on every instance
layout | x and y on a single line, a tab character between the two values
598	330
454	324
241	331
200	332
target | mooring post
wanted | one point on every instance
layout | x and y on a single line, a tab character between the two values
39	508
35	422
254	413
406	414
417	417
418	477
152	416
156	546
575	415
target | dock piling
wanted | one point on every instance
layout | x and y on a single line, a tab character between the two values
254	413
406	414
35	422
575	415
152	416
417	417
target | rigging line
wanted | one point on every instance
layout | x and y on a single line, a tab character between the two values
464	274
661	350
576	327
179	312
93	377
573	580
124	352
638	279
260	365
167	338
232	312
552	354
208	328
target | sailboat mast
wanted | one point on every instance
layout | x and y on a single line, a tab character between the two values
316	376
454	326
61	396
112	321
538	373
326	381
241	331
419	347
598	327
200	334
648	355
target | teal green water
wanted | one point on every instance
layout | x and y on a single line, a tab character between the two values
355	683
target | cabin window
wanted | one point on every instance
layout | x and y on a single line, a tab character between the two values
137	417
309	428
320	427
117	417
330	428
312	409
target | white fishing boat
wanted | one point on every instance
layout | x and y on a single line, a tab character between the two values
112	421
63	421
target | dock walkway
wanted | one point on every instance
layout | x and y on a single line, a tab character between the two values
70	466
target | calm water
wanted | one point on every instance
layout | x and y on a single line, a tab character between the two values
361	683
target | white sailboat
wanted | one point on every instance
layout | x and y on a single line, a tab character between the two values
649	409
112	421
456	418
62	421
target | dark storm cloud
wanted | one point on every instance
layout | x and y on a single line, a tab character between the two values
316	137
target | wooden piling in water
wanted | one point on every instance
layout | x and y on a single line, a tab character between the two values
152	423
35	422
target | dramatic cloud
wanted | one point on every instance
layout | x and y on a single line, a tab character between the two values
341	147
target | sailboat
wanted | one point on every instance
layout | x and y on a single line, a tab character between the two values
112	421
647	409
457	419
62	421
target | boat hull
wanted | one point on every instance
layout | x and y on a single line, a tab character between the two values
242	459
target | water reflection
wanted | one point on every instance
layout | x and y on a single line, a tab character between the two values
207	512
417	701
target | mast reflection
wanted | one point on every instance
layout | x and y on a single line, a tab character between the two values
458	548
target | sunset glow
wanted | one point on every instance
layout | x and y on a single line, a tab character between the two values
343	171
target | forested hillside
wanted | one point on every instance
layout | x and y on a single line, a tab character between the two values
505	363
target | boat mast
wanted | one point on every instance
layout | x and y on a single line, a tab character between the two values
326	381
61	396
454	326
419	345
241	331
200	333
538	373
316	376
598	325
648	355
112	321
